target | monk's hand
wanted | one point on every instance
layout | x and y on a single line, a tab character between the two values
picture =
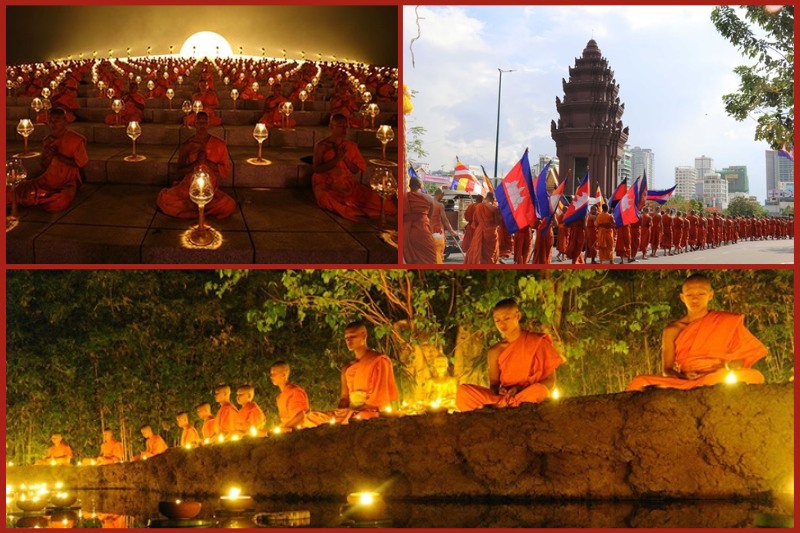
692	375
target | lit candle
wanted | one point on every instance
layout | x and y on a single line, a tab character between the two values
730	379
188	445
332	421
556	394
253	431
221	437
234	437
276	430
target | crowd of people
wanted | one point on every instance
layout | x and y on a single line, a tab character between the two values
701	348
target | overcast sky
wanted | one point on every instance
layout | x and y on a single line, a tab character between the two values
671	64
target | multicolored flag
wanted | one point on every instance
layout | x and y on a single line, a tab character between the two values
580	203
625	212
487	183
463	180
515	196
622	188
660	197
597	199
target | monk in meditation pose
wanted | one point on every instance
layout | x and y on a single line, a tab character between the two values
522	366
208	98
703	347
292	400
110	450
134	107
483	248
336	159
63	157
440	390
272	116
189	435
209	429
419	246
66	98
227	418
154	444
211	153
367	382
58	454
250	414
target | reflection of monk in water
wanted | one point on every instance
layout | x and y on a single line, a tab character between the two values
440	390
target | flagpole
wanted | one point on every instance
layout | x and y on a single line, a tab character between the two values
497	136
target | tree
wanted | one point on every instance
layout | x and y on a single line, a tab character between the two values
766	88
744	207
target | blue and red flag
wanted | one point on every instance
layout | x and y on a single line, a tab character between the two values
625	212
541	198
580	203
620	191
642	196
515	196
787	152
660	197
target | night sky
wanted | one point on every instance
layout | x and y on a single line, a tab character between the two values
41	33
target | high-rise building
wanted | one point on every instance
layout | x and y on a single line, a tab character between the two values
625	168
715	190
703	165
737	178
685	182
543	159
642	160
780	175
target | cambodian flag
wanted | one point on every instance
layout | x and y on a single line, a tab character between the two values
580	203
515	196
625	212
642	192
622	188
541	198
660	197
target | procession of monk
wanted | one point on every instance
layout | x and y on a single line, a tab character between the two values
701	348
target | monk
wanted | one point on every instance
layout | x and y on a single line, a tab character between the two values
133	110
154	444
111	450
543	243
469	230
206	151
336	159
367	382
66	98
292	400
272	116
419	246
577	241
189	435
439	224
227	418
522	366
209	429
703	347
666	232
562	239
250	414
58	454
591	234
655	232
484	246
605	235
63	157
644	237
210	102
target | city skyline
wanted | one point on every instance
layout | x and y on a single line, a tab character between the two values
671	64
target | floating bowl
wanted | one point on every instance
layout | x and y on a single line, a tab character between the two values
32	506
32	522
179	510
238	503
63	499
63	519
361	498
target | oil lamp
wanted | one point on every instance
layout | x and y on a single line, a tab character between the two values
186	107
201	191
234	97
101	85
116	106
255	87
366	96
271	81
309	87
179	509
36	105
234	501
279	77
555	394
170	96
197	106
150	86
260	133
15	173
25	128
226	80
385	134
46	92
138	79
373	111
364	507
383	182
134	131
303	95
286	111
110	92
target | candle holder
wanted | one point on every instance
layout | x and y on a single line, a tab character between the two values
186	107
226	80
201	191
150	86
9	87
180	80
383	182
303	95
235	502
116	107
197	106
309	88
101	86
234	97
134	131
15	173
179	510
385	135
271	81
37	106
286	111
366	96
63	500
170	96
110	93
46	92
373	111
260	133
25	128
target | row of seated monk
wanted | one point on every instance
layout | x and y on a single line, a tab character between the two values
701	348
335	161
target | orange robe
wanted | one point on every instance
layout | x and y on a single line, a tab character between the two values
419	246
644	239
543	246
61	453
469	230
272	116
227	419
437	227
505	241
591	237
189	435
524	363
291	401
655	233
337	191
577	240
210	103
704	347
562	240
68	101
605	236
251	415
155	445
111	452
666	231
623	244
175	201
133	110
523	245
209	428
483	249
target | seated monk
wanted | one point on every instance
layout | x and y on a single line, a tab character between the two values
252	91
63	157
58	454
134	107
336	159
154	444
210	102
367	382
66	98
110	450
189	435
522	366
419	246
703	347
250	414
227	418
206	150
441	389
292	400
272	116
209	429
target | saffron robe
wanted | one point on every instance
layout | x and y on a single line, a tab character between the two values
418	243
155	445
655	234
483	249
226	419
644	239
543	246
210	103
523	245
61	453
250	415
577	240
291	401
209	428
111	452
605	236
189	435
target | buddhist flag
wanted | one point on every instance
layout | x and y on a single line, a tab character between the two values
622	188
597	199
541	198
515	196
580	203
463	180
660	197
625	212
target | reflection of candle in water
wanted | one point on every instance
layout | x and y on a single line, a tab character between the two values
731	378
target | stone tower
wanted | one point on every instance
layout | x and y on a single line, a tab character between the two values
589	133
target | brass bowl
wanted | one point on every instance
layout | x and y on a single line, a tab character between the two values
63	499
239	503
32	522
31	506
175	510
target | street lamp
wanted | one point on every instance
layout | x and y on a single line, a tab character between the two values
497	137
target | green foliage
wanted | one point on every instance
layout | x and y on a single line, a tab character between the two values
685	205
766	88
744	207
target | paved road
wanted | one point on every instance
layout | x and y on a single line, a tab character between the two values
771	252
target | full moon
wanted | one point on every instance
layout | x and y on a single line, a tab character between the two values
206	44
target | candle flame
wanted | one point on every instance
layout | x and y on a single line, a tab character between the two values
234	437
253	431
276	430
387	409
332	421
206	440
221	437
188	445
731	378
59	485
234	492
556	394
366	498
178	501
